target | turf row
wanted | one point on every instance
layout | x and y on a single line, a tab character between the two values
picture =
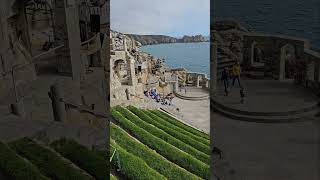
80	155
133	167
172	153
180	124
156	121
163	135
15	167
48	162
181	130
153	159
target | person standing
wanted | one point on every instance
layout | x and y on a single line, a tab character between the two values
225	76
236	71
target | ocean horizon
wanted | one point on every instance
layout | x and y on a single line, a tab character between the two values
194	57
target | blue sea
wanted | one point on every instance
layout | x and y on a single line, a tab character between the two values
288	17
194	57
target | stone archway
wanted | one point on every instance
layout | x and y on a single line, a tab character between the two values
256	54
287	60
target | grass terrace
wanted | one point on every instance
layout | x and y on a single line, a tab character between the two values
160	144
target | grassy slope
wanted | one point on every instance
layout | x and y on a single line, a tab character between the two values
180	124
172	153
80	155
163	135
15	167
133	167
152	158
48	162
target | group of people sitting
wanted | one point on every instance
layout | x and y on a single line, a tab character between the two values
164	100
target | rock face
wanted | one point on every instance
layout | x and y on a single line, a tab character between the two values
196	38
152	39
161	39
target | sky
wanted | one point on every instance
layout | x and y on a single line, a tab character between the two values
161	17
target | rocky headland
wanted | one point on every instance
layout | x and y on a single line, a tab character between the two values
162	39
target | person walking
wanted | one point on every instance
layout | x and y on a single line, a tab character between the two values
236	71
225	76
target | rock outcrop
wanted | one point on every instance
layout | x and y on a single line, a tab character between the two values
161	39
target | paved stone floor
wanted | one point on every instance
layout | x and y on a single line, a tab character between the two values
255	151
266	96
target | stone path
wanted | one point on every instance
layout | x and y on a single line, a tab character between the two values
288	151
267	96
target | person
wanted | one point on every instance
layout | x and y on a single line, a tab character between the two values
242	95
225	78
236	71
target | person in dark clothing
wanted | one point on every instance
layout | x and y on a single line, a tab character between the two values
225	76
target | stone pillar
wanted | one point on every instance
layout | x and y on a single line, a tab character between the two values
176	86
68	33
198	81
213	63
131	71
311	71
128	94
282	67
18	109
58	107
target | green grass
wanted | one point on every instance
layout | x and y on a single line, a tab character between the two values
15	167
180	124
112	177
153	159
172	153
94	164
163	135
48	162
133	167
179	129
156	121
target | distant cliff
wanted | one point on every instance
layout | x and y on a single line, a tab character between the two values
161	39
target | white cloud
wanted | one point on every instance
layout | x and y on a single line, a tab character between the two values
159	16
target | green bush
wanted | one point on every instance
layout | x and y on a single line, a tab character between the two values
80	155
133	167
156	121
180	124
15	167
48	162
181	130
153	159
163	135
170	152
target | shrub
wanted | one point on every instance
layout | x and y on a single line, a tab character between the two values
172	153
48	161
163	135
15	167
180	124
179	129
80	155
153	159
133	167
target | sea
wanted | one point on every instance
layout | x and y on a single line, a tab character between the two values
194	57
288	17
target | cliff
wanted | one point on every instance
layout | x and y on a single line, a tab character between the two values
161	39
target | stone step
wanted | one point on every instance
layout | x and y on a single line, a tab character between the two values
285	117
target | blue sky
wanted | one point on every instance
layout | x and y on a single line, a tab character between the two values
165	17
